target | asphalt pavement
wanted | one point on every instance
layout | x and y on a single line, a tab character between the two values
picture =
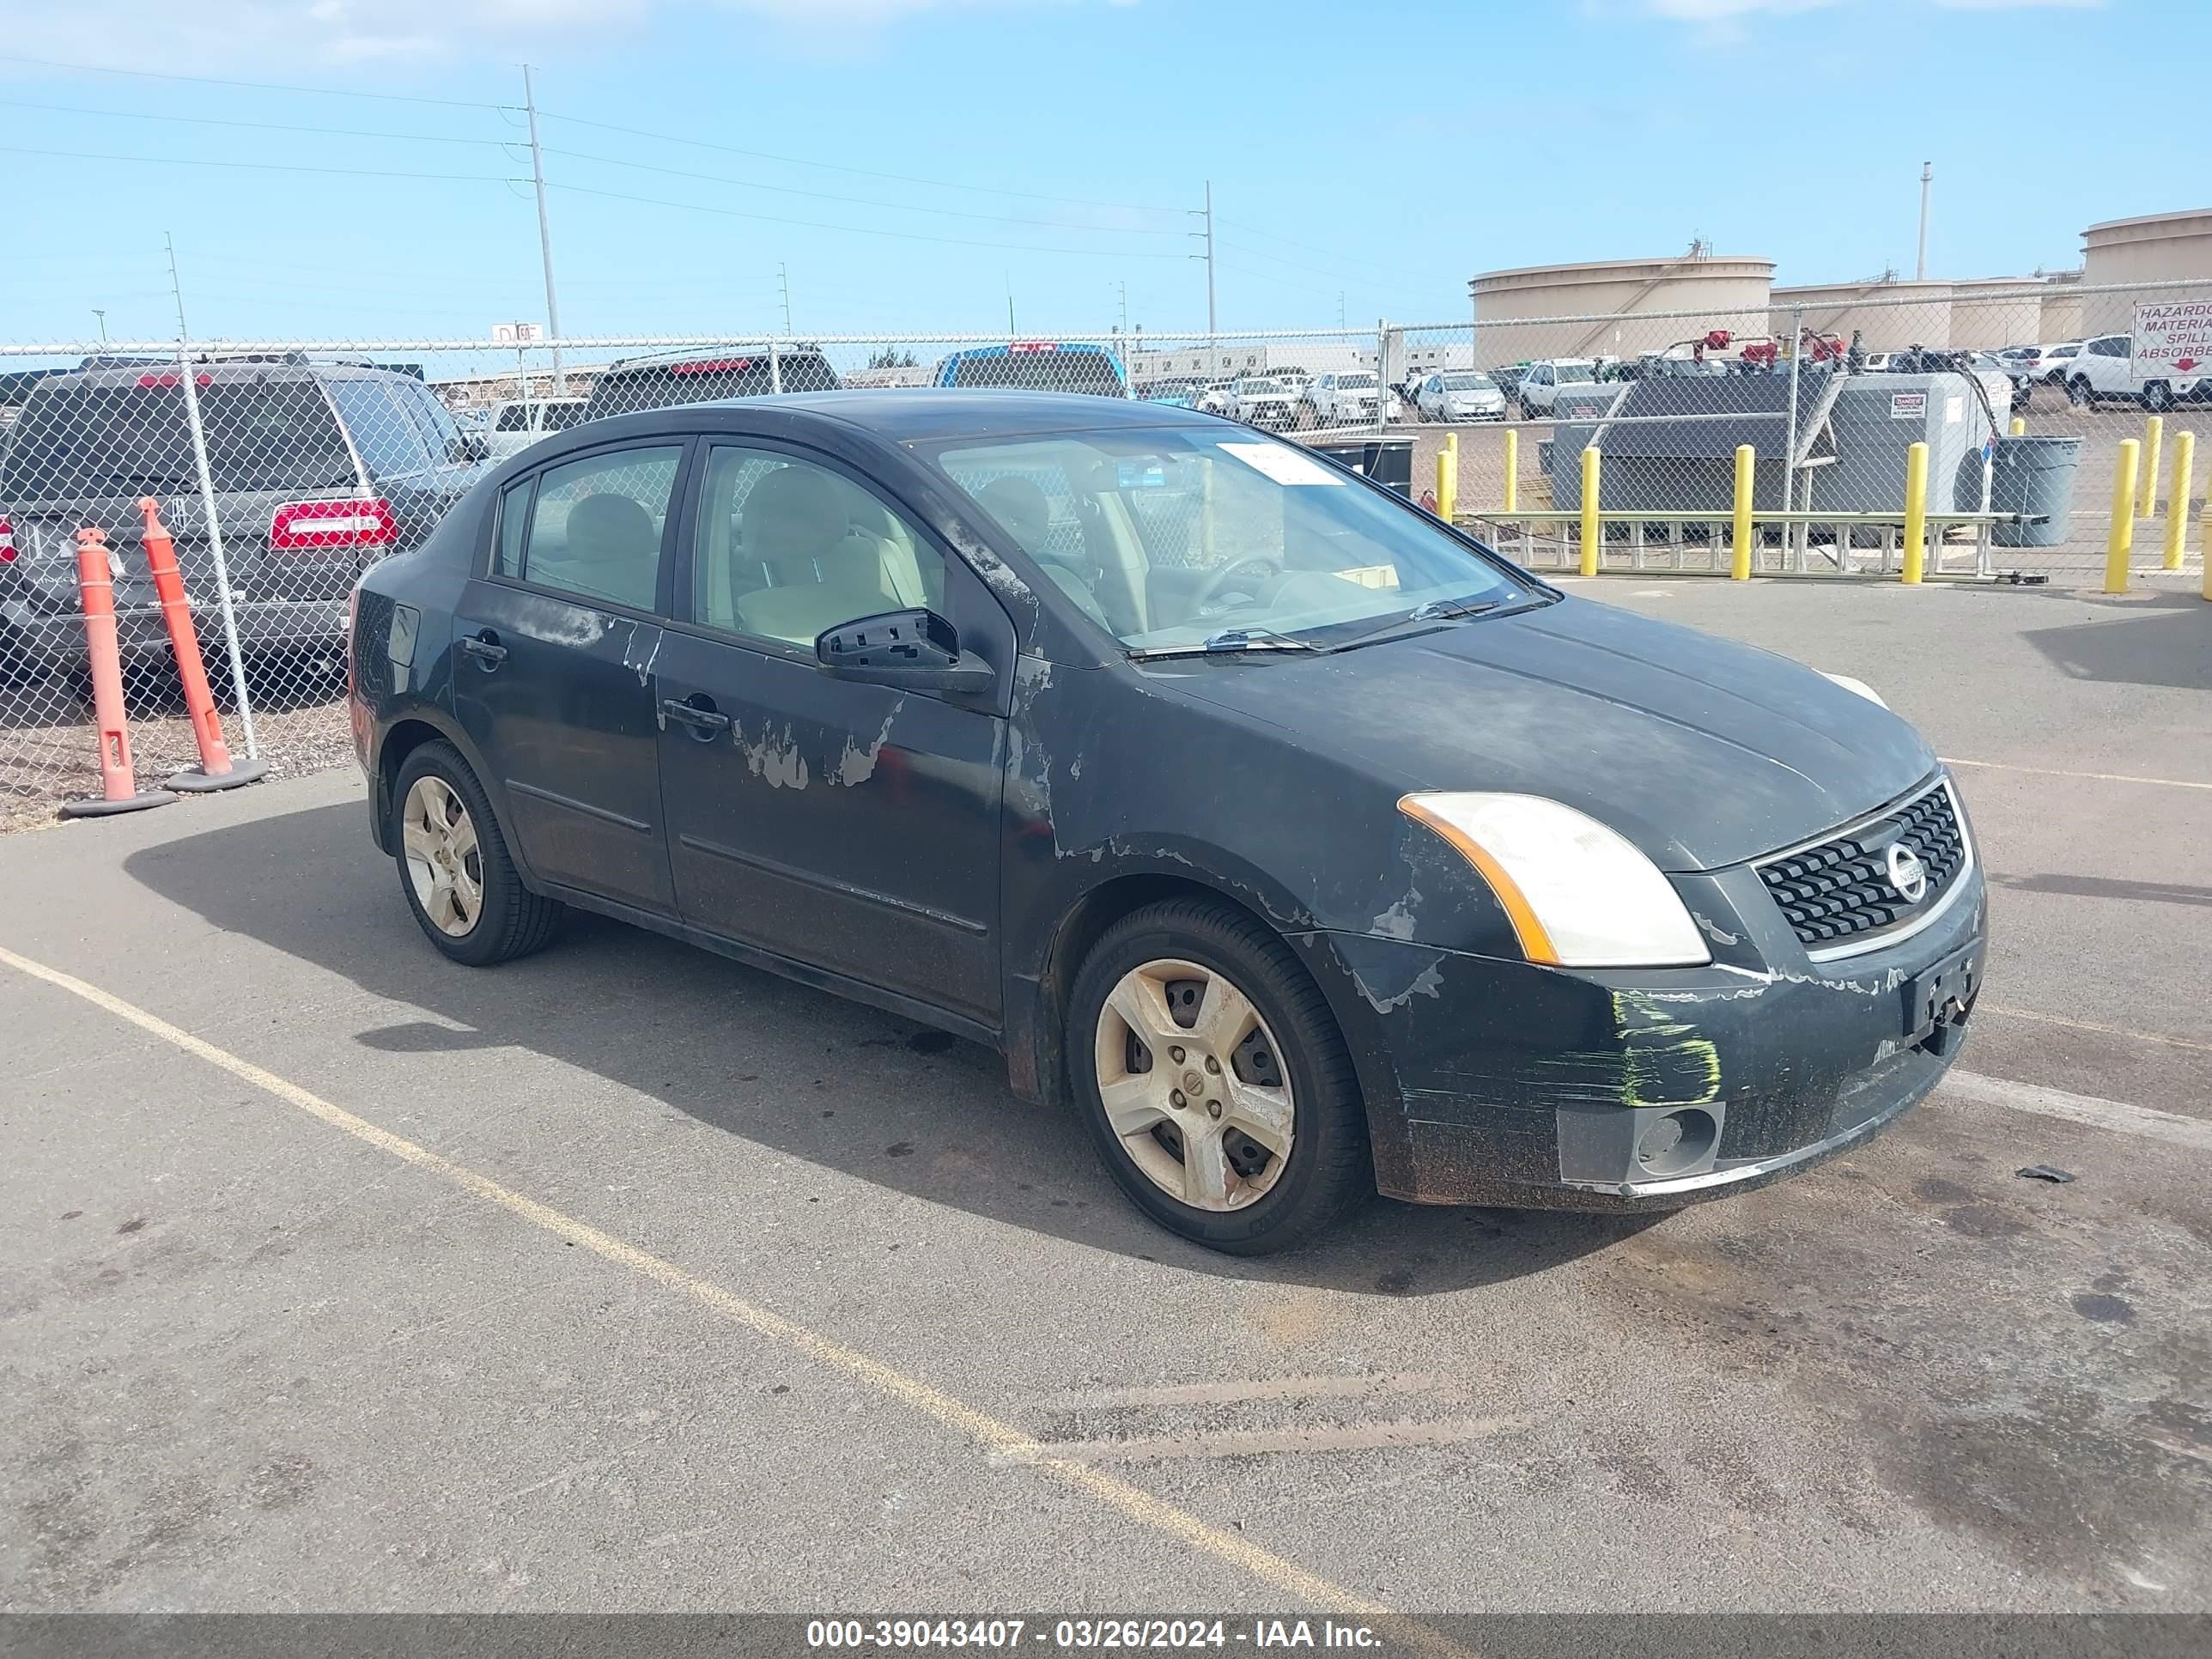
333	1276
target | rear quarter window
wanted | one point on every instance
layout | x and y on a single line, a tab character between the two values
81	438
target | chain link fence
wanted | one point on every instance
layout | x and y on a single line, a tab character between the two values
284	469
1829	397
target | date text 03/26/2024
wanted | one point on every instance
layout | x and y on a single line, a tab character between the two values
1088	1635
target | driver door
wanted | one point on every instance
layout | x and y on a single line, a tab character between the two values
853	828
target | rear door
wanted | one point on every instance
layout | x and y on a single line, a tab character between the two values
553	646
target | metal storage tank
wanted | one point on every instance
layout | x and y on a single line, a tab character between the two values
2061	308
1723	290
1923	319
1996	312
2158	247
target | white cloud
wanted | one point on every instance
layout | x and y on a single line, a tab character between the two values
245	37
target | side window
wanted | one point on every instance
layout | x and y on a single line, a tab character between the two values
513	523
512	417
437	425
788	549
596	531
386	439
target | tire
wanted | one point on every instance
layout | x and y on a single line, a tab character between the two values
508	920
2079	393
2158	397
1268	1201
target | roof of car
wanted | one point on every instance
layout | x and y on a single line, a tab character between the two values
903	415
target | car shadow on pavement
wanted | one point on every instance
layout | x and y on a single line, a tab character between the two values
797	1070
2109	887
2162	639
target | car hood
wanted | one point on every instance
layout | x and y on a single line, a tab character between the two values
1701	751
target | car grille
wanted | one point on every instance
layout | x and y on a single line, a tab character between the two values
1840	889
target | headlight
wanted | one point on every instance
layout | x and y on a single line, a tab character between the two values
1859	686
1578	895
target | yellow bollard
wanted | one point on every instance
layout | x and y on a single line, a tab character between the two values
1916	512
1447	477
2122	537
1512	467
2177	498
2154	433
2020	426
1592	530
1747	460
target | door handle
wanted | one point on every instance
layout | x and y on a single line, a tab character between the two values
486	649
704	721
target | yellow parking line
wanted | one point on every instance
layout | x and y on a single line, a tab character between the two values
2054	772
1002	1440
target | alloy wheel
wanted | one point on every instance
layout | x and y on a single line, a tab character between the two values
444	862
1194	1085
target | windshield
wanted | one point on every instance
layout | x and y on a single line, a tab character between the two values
1262	386
1356	381
1468	383
1038	368
1170	537
1573	374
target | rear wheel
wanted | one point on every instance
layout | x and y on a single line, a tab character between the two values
2158	397
2079	394
460	879
1214	1081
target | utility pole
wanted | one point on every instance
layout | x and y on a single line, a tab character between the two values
1123	289
102	316
1206	212
544	233
1927	177
783	277
1009	275
1339	308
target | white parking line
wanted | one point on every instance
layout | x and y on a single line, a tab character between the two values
2171	1127
2055	772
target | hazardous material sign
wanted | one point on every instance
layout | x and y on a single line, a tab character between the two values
2172	341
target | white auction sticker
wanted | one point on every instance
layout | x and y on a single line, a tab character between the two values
1285	465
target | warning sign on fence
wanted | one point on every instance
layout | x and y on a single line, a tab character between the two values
2172	340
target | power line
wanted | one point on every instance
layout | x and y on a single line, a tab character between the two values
1326	253
252	126
255	166
865	173
859	230
856	201
257	86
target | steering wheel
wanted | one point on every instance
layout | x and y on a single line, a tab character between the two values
1272	571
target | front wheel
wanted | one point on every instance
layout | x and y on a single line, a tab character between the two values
2158	397
2079	394
454	868
1213	1079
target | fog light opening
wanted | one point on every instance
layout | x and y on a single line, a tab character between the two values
1677	1142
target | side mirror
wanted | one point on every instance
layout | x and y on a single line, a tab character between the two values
470	447
918	649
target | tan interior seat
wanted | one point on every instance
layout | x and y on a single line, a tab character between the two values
799	540
610	549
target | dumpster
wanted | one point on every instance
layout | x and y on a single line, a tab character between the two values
2036	475
1388	461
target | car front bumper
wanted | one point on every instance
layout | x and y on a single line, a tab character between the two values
1521	1085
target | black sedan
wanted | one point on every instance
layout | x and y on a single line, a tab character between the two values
1302	844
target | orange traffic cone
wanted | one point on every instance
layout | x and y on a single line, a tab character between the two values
216	770
119	785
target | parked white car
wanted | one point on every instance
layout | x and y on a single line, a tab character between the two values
2103	371
1348	400
1261	400
2052	362
1539	385
1459	394
1214	397
517	425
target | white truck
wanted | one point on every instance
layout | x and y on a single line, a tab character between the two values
1262	400
1342	399
517	425
2105	369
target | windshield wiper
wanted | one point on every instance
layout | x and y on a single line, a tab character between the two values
1441	610
1229	641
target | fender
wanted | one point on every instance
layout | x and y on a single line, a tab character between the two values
440	720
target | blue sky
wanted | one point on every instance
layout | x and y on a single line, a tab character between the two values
1382	154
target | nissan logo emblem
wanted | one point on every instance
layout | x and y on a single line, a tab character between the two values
1906	872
